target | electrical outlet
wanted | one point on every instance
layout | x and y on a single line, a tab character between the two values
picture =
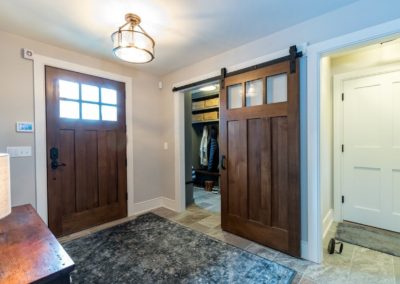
16	152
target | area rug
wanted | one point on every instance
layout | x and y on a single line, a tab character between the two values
369	237
152	249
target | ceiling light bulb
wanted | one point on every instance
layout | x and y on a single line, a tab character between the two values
208	88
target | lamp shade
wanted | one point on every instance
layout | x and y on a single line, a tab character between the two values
5	195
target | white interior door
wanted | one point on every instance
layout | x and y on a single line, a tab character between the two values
371	158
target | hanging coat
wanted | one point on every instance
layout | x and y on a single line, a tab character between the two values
213	155
203	148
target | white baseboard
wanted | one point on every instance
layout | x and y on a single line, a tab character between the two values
327	222
304	249
169	203
148	205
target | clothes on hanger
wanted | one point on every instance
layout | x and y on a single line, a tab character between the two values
203	147
213	151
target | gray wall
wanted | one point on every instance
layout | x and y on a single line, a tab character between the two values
321	28
16	104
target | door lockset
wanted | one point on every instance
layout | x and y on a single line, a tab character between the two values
54	159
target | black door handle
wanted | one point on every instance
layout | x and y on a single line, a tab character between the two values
54	159
55	165
223	162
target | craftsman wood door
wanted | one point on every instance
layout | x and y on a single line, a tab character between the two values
260	156
86	150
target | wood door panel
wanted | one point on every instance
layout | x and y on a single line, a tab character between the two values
266	235
237	198
259	178
108	175
279	172
92	188
260	187
67	150
90	218
86	170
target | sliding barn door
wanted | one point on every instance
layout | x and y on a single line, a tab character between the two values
86	150
260	156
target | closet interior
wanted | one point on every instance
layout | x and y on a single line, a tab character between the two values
202	147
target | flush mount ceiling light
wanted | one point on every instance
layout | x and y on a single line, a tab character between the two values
132	43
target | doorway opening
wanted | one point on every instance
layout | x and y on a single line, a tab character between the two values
360	153
202	176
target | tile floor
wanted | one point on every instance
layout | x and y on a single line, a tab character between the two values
208	200
354	265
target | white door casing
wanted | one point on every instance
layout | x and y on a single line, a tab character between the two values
371	158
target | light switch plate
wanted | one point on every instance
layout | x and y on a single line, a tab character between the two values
16	152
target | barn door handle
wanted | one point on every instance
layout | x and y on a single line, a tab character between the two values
223	162
54	159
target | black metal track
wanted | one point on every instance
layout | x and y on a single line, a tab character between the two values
233	73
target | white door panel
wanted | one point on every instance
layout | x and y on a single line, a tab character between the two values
371	160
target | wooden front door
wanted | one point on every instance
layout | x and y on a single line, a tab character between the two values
86	150
259	127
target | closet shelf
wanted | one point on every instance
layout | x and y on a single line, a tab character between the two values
205	109
205	121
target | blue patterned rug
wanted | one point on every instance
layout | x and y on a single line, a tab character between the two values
151	249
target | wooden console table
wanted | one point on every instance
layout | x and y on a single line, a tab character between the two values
29	252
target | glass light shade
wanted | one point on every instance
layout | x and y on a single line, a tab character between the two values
133	46
5	195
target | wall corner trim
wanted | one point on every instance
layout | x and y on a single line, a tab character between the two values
327	222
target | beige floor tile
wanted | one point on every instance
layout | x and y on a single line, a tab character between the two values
213	221
327	274
297	278
397	269
305	280
164	212
200	228
298	264
262	251
370	266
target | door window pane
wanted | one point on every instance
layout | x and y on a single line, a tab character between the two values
68	89
109	113
108	96
69	109
235	94
277	88
90	93
254	93
90	111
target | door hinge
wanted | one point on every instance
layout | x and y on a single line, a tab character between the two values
342	198
342	148
342	96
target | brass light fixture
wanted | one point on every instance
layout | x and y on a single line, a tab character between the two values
132	43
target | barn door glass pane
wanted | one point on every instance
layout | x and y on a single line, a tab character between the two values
235	94
254	93
277	88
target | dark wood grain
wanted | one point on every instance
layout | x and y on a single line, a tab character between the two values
92	188
29	253
260	188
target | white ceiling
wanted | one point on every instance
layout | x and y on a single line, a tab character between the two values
185	31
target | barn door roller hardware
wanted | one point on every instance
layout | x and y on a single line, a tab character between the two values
293	55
